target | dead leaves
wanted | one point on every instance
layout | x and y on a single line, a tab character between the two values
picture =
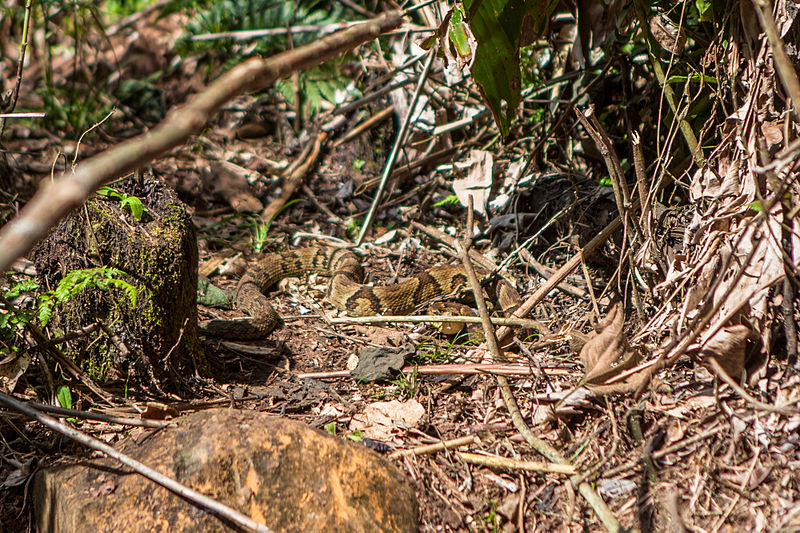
728	347
608	353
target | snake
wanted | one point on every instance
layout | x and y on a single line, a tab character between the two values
346	289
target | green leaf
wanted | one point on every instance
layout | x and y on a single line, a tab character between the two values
693	78
705	9
64	397
356	436
330	427
134	205
428	43
77	281
497	26
457	34
108	192
450	200
210	295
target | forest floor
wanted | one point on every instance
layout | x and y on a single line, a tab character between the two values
686	451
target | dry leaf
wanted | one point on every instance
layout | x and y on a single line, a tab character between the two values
11	369
728	347
773	135
384	420
608	353
606	346
478	182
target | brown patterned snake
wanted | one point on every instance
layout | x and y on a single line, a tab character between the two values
345	289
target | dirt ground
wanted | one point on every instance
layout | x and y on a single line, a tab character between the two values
685	451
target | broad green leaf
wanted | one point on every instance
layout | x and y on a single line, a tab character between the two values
457	34
135	206
704	9
108	192
497	26
210	295
64	397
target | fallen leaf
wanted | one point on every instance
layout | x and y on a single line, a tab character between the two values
385	420
11	369
478	182
728	347
608	353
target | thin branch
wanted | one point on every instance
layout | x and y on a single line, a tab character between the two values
783	64
23	46
445	370
398	143
433	448
495	461
100	417
654	48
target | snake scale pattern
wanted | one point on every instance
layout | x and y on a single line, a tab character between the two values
346	290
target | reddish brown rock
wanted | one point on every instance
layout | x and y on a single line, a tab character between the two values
277	471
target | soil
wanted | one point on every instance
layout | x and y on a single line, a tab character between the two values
722	472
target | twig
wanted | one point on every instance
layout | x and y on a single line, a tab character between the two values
368	124
544	289
294	180
595	501
322	29
23	46
783	64
718	371
399	142
69	365
433	448
54	200
374	95
742	489
663	452
495	461
654	48
135	17
173	486
444	370
100	417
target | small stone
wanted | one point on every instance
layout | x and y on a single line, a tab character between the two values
378	364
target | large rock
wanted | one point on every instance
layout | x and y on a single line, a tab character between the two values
277	471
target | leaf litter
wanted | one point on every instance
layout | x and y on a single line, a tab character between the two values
661	435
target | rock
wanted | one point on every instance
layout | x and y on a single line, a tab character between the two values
277	471
380	363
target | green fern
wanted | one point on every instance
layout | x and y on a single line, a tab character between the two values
449	200
243	15
77	281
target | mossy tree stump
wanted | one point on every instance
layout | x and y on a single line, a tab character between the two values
156	338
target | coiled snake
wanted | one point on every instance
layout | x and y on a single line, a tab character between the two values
346	290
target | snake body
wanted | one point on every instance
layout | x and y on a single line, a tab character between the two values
346	290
